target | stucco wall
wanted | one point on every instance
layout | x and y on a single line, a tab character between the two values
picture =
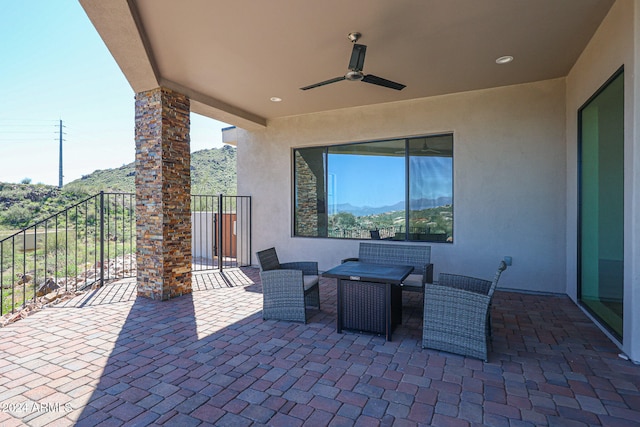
509	178
610	48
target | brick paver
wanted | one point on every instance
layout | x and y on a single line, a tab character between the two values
109	358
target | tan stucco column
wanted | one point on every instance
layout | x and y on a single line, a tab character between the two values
163	189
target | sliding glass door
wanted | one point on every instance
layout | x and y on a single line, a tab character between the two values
601	208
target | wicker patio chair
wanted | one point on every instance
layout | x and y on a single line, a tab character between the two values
457	314
287	288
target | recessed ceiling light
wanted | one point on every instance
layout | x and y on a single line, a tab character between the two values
275	99
504	59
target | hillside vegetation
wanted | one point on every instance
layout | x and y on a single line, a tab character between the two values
24	204
212	172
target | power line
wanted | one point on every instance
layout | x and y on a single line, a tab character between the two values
34	122
28	139
21	131
17	130
26	129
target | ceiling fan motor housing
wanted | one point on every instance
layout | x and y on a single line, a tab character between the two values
354	36
354	76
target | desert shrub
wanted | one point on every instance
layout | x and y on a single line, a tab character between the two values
17	216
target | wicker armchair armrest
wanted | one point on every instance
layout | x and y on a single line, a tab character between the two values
349	259
308	267
472	284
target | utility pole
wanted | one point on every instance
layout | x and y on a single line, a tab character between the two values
60	169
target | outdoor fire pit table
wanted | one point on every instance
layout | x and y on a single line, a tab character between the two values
369	296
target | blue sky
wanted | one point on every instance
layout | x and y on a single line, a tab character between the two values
376	181
54	66
366	184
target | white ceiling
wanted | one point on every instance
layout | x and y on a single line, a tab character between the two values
231	57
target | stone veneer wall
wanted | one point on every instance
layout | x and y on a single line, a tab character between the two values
310	215
163	194
306	199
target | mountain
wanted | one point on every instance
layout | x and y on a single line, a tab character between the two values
417	204
213	171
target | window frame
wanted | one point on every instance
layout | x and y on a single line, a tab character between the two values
407	175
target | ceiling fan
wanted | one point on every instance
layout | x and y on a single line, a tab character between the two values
425	149
356	64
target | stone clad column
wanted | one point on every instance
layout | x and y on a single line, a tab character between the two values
163	190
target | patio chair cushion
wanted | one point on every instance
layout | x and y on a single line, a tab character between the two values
413	282
310	281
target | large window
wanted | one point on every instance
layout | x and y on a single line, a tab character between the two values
400	189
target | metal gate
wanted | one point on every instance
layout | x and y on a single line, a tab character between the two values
220	231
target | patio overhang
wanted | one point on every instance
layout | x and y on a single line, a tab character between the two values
231	58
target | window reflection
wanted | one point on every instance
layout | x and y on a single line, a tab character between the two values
430	189
601	205
309	193
398	189
366	189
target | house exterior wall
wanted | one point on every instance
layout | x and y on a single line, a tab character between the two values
612	46
509	178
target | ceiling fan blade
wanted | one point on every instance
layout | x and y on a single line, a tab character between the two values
356	63
326	82
370	78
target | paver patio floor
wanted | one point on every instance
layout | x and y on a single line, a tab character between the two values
108	358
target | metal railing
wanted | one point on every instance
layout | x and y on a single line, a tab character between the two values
81	246
398	232
220	231
94	241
